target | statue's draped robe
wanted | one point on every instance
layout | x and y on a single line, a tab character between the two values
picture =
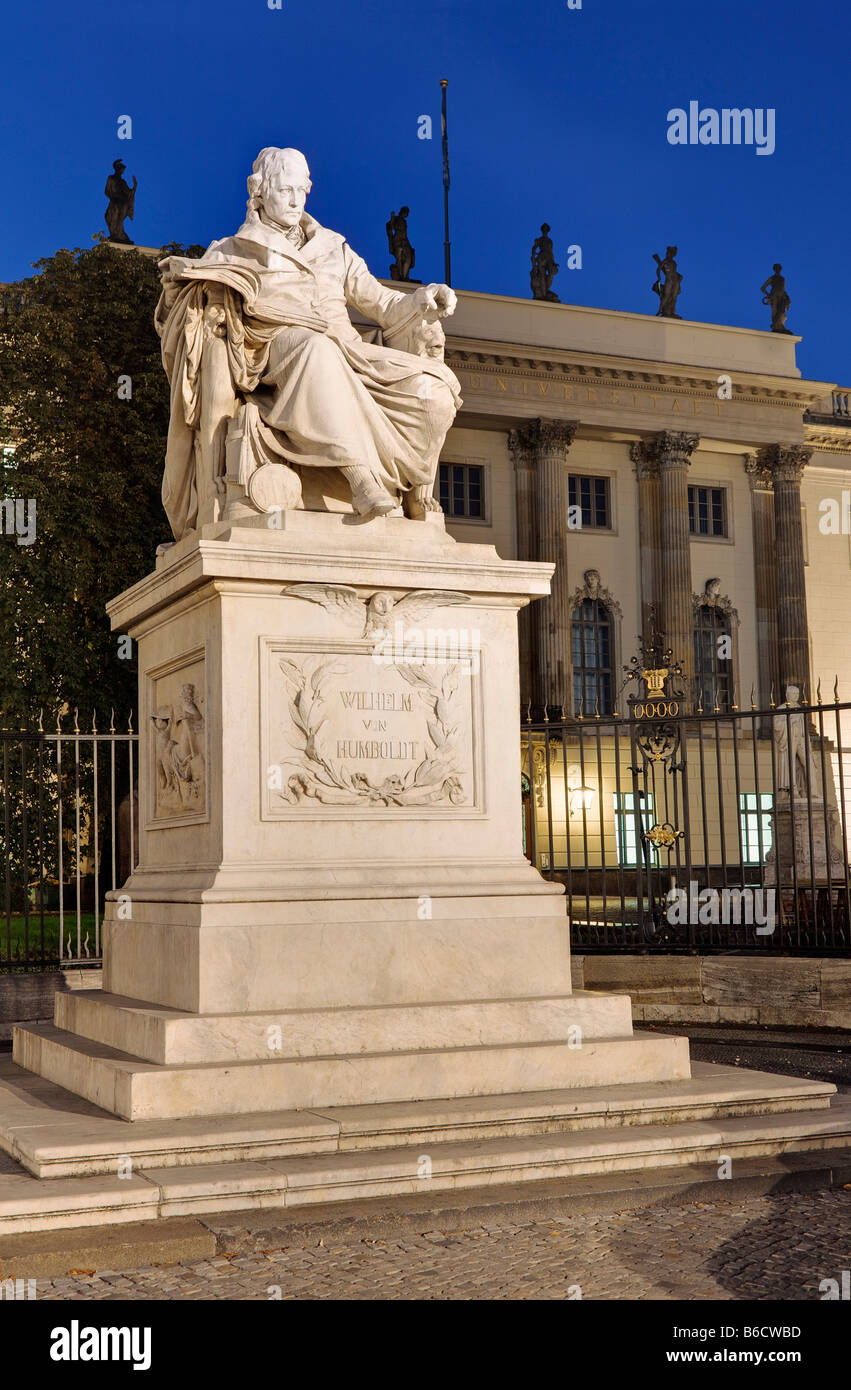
329	396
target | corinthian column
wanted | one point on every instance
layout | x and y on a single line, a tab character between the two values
786	464
547	443
673	451
765	578
525	510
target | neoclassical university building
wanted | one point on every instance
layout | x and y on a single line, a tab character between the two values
679	468
675	472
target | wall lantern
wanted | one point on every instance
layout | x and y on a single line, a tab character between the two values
581	799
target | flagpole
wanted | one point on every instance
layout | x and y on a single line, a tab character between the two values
447	271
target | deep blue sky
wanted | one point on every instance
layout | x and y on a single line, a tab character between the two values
554	114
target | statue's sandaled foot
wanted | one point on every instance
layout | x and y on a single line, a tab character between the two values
420	502
367	496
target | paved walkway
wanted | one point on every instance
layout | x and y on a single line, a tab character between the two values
768	1248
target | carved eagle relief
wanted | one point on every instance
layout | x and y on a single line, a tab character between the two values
375	614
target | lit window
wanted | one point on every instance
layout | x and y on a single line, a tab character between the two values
625	825
755	825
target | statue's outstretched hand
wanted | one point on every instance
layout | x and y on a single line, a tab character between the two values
437	299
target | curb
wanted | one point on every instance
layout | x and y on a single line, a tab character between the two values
53	1254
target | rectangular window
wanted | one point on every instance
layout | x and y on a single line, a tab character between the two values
592	659
462	489
755	825
625	826
591	495
707	511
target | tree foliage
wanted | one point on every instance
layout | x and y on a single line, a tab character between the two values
91	461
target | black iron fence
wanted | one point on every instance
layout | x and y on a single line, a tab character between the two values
69	823
700	832
671	832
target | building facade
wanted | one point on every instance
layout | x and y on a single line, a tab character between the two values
688	467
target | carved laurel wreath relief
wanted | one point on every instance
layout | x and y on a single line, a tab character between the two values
318	774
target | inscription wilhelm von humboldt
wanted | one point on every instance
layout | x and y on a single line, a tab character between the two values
363	733
361	738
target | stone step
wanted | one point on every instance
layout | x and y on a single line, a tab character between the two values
56	1134
136	1089
500	1204
447	1167
26	1203
169	1036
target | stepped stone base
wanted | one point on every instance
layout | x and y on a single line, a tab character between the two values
147	1062
332	973
342	1154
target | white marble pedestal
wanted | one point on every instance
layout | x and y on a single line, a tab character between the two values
332	906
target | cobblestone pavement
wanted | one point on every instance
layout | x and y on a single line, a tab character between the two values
776	1247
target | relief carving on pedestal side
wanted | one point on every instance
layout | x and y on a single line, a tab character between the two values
180	769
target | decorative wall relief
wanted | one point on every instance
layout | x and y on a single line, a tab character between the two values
342	729
178	786
375	614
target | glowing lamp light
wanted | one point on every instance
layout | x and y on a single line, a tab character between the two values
581	799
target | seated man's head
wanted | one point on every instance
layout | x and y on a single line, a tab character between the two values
279	186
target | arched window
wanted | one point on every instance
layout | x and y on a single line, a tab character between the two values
593	658
713	666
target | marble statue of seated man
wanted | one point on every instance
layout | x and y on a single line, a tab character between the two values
270	380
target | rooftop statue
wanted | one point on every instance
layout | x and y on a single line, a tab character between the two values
400	248
774	293
544	267
122	203
668	289
277	401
